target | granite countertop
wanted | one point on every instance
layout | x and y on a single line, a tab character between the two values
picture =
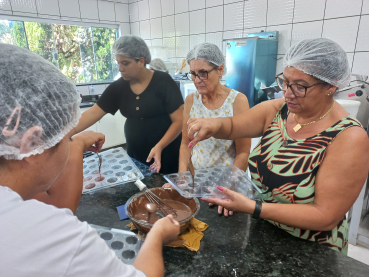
238	244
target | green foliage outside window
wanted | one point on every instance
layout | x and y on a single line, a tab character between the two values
81	53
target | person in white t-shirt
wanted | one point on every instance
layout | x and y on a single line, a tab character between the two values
41	180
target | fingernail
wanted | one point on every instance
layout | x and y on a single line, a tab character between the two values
202	199
220	188
190	145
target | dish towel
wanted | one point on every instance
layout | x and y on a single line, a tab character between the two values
191	238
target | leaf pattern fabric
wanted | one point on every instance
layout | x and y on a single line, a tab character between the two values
286	172
213	152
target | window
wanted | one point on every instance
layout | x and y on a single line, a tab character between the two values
83	54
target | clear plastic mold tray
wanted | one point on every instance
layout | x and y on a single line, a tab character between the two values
116	168
207	180
145	170
125	244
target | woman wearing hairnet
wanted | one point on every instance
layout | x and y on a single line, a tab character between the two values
41	159
212	100
313	158
150	100
158	64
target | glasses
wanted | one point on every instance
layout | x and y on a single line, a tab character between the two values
297	90
202	75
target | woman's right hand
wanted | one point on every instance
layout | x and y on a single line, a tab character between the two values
90	141
205	128
167	185
167	228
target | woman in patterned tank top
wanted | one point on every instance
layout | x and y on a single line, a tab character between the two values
313	158
212	100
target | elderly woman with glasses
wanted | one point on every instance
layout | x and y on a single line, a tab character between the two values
212	100
313	158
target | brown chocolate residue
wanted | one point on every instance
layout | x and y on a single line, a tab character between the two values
185	207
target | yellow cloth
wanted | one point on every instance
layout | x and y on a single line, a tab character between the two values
190	238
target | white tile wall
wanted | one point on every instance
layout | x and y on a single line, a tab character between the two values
106	11
197	22
5	5
254	13
69	9
156	28
361	61
167	7
343	8
306	30
196	5
181	6
121	12
89	9
233	16
135	28
196	39
24	6
343	31
212	3
181	24
363	36
145	29
308	10
365	9
284	37
214	19
280	12
155	8
143	10
169	29
48	7
133	12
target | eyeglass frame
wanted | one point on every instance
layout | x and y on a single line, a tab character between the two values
289	85
196	75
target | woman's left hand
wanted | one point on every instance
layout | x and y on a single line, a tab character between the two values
156	154
221	210
237	202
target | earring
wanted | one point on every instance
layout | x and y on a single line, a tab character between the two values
329	93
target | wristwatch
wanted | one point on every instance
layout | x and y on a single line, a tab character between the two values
257	210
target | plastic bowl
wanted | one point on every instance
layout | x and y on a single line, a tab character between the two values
140	199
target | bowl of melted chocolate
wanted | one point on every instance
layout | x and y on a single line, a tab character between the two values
186	209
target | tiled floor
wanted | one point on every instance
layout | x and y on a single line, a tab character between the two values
359	253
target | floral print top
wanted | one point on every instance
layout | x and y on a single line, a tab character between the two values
213	152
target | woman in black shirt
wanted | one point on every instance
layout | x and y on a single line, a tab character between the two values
150	100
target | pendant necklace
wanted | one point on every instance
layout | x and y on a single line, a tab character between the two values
299	126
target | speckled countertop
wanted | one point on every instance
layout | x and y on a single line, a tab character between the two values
238	244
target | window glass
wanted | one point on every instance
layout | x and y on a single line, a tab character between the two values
40	38
103	39
68	51
83	54
12	32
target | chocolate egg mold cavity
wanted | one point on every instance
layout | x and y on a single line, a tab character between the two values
111	171
207	180
145	170
124	244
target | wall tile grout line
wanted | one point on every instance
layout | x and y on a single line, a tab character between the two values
325	7
293	17
357	35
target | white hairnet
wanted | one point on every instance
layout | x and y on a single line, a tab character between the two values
132	47
207	52
36	102
158	64
321	58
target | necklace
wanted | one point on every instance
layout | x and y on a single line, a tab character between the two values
299	126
